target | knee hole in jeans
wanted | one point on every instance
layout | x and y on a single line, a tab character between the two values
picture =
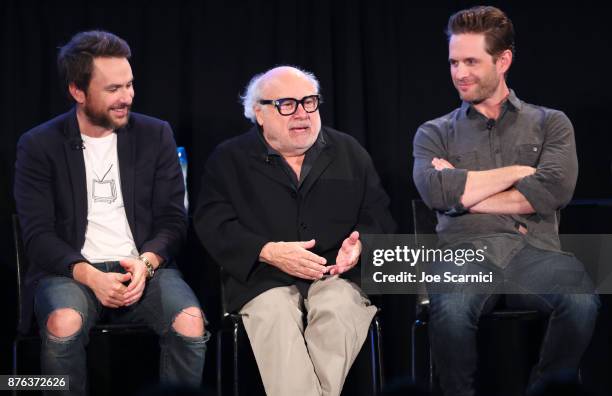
189	322
64	322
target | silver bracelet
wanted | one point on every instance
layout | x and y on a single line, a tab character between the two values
147	263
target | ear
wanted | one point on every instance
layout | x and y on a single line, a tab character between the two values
259	115
77	94
504	61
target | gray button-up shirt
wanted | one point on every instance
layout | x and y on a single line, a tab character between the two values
524	134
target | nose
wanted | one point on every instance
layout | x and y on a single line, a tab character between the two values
300	111
460	71
128	95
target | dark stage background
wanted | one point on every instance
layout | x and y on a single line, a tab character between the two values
383	71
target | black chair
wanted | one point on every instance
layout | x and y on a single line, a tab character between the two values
101	333
522	323
239	374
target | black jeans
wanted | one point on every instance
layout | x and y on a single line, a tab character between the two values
454	319
164	297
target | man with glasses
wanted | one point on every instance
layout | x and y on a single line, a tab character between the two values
281	210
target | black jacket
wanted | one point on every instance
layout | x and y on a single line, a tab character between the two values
51	192
247	200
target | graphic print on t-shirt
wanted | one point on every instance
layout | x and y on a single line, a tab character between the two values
104	190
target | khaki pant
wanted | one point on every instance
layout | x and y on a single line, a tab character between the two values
294	361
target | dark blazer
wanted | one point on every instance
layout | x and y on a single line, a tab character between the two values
51	192
247	200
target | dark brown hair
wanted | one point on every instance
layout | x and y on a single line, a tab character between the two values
75	59
490	21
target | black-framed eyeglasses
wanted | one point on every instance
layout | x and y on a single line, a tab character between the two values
288	106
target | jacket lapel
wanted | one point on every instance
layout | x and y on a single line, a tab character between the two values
73	149
271	168
265	164
325	158
126	153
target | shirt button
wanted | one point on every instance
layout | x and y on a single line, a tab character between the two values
497	151
293	195
303	226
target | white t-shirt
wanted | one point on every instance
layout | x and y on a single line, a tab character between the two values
108	236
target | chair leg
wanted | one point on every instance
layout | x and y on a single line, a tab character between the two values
421	375
235	382
227	369
377	365
219	363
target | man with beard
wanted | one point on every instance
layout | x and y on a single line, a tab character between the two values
497	171
99	194
281	211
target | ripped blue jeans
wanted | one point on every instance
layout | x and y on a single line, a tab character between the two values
164	297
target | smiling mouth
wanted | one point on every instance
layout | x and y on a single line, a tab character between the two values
121	111
464	83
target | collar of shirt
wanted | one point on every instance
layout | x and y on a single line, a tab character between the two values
317	146
511	102
311	156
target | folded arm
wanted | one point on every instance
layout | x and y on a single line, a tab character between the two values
489	191
510	201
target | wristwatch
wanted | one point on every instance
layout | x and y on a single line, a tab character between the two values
147	263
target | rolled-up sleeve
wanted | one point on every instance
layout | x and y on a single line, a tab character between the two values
440	190
552	185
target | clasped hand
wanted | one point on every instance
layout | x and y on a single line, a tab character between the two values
110	287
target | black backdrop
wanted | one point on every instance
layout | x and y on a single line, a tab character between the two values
383	71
